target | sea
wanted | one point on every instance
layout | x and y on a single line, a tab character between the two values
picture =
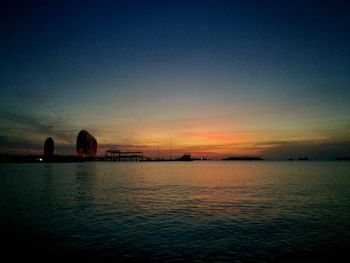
200	211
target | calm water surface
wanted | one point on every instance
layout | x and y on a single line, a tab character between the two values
193	212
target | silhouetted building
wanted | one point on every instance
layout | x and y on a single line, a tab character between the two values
86	144
48	147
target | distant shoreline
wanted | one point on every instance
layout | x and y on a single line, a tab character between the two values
7	158
243	158
42	159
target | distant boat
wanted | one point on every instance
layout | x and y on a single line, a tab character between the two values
303	158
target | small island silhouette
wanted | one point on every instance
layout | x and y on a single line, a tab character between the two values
343	158
243	158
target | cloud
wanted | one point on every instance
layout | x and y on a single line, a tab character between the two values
18	145
20	131
22	123
313	149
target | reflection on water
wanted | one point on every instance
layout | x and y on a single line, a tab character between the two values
197	211
85	179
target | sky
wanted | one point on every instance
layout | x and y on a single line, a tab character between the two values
210	78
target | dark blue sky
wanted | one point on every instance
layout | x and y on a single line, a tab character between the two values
262	77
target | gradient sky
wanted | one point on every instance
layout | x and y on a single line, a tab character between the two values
212	78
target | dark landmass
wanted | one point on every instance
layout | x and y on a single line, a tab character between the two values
342	159
299	159
5	158
185	157
200	159
244	158
156	160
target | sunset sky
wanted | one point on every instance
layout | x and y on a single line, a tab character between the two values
211	78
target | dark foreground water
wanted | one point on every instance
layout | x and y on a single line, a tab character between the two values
191	212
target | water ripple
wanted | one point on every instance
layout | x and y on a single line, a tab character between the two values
170	212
